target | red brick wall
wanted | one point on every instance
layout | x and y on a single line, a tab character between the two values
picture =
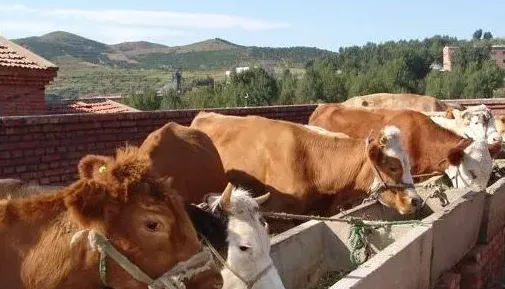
46	149
22	91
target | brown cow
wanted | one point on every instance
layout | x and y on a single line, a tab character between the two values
431	147
308	171
399	101
189	156
120	205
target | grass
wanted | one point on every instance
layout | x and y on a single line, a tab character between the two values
85	79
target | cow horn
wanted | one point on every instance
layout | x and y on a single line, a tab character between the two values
263	198
226	197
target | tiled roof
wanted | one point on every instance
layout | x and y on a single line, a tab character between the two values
14	55
89	105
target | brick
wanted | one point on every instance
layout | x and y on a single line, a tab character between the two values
40	151
7	170
5	155
54	179
21	169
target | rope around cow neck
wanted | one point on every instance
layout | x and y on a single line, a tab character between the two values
357	233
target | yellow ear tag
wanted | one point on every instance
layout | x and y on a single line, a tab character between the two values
102	169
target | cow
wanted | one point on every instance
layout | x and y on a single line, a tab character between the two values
119	225
416	102
190	157
307	171
431	147
469	122
247	253
397	100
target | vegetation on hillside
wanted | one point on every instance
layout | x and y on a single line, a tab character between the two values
396	67
88	66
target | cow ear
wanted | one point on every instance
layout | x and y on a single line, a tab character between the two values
211	198
90	165
457	153
375	153
87	201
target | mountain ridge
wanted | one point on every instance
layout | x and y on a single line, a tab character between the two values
209	53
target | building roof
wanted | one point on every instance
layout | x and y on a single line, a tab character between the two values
88	105
13	55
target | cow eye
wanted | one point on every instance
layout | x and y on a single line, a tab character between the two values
151	225
244	248
394	169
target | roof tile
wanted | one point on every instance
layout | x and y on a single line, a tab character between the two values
90	105
13	55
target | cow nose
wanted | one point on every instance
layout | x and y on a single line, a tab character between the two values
416	202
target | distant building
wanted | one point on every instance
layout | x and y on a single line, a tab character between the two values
237	70
23	78
497	53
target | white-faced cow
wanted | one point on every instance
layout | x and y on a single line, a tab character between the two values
308	171
247	252
431	147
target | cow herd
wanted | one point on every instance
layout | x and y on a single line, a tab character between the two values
183	209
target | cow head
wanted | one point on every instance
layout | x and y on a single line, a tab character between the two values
141	216
477	122
469	163
248	241
392	177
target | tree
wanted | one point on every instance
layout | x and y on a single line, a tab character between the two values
287	87
148	99
488	36
477	34
253	87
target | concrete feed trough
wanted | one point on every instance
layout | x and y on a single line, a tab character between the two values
405	256
493	219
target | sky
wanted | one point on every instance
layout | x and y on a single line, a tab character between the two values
326	24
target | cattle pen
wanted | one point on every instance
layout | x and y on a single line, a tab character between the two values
455	245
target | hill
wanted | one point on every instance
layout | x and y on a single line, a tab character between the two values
210	54
91	67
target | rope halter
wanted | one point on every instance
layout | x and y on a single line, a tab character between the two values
172	279
377	190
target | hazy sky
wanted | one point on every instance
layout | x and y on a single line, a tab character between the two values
327	24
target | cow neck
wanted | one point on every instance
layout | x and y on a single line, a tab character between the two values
342	165
428	157
44	232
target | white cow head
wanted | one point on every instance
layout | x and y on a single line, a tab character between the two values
476	120
248	241
471	165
